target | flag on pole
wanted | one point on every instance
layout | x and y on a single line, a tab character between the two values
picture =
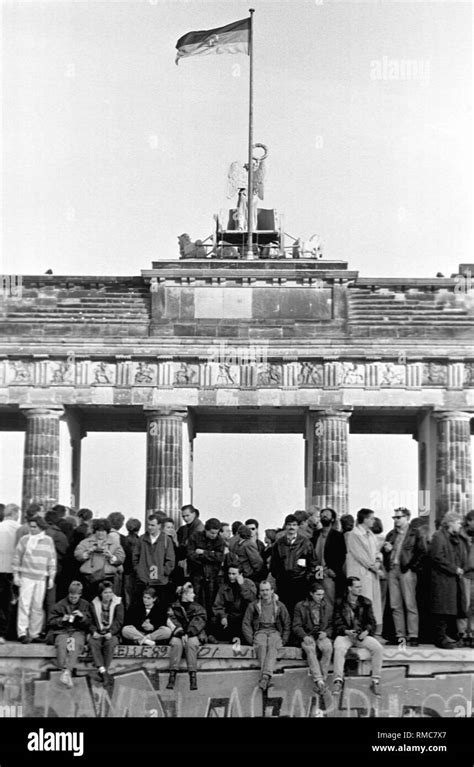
234	38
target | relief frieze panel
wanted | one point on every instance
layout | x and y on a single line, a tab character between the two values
172	373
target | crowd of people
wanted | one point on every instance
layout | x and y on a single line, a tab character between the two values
320	582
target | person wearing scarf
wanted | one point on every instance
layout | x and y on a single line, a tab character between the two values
34	561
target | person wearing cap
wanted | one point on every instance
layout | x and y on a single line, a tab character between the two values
403	552
292	564
33	565
68	625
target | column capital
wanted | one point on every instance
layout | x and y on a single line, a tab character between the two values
452	415
342	414
29	411
154	413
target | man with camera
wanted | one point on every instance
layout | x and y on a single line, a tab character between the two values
69	622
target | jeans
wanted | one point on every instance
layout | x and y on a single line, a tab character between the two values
344	643
30	607
102	650
309	645
267	642
133	634
190	650
402	593
68	648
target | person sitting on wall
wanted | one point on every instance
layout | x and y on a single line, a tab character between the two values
106	624
187	621
312	626
231	602
67	628
354	625
145	622
266	626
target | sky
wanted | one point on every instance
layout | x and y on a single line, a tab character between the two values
110	151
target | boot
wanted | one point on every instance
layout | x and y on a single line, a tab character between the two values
193	685
171	680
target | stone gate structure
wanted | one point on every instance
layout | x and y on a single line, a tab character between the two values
286	345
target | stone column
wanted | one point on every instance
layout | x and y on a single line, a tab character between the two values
453	462
41	457
76	434
327	460
164	469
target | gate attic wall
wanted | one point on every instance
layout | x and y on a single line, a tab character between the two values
271	346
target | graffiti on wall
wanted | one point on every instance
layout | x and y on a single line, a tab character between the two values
140	691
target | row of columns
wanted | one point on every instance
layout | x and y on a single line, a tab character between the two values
444	459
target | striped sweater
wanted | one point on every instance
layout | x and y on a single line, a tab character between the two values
39	563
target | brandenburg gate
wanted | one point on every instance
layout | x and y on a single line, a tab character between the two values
229	345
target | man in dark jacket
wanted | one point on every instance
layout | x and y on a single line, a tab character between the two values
292	564
354	625
61	545
330	552
266	626
153	559
205	554
192	525
312	627
145	621
244	551
448	556
403	553
230	604
69	622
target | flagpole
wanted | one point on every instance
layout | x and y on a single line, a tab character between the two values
249	254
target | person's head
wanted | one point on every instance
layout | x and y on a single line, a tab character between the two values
316	592
401	518
265	591
12	511
37	525
74	592
451	522
34	510
116	520
154	525
347	523
106	592
51	517
301	516
327	516
270	536
252	525
377	526
469	521
189	513
61	510
212	528
244	533
233	571
226	531
365	518
186	592
291	524
133	525
85	515
149	597
168	526
100	528
235	526
353	586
